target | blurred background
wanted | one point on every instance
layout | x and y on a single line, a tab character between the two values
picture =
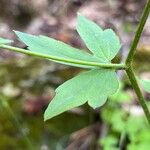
27	83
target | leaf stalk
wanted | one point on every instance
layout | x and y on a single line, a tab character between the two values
54	58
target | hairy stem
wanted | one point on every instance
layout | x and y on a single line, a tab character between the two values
58	59
138	92
138	33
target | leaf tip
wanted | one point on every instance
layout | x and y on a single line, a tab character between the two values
18	33
80	16
46	117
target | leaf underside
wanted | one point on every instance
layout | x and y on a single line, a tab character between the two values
92	86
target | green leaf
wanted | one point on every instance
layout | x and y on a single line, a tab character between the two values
51	47
104	44
146	85
93	86
109	142
5	41
139	146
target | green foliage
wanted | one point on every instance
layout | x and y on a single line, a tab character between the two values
138	132
53	48
81	89
5	41
146	85
109	143
120	121
96	85
93	86
104	44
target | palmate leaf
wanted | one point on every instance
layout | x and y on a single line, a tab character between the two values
51	47
91	86
104	44
5	41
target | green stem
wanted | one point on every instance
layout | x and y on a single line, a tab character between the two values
138	33
129	60
138	92
122	141
58	59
